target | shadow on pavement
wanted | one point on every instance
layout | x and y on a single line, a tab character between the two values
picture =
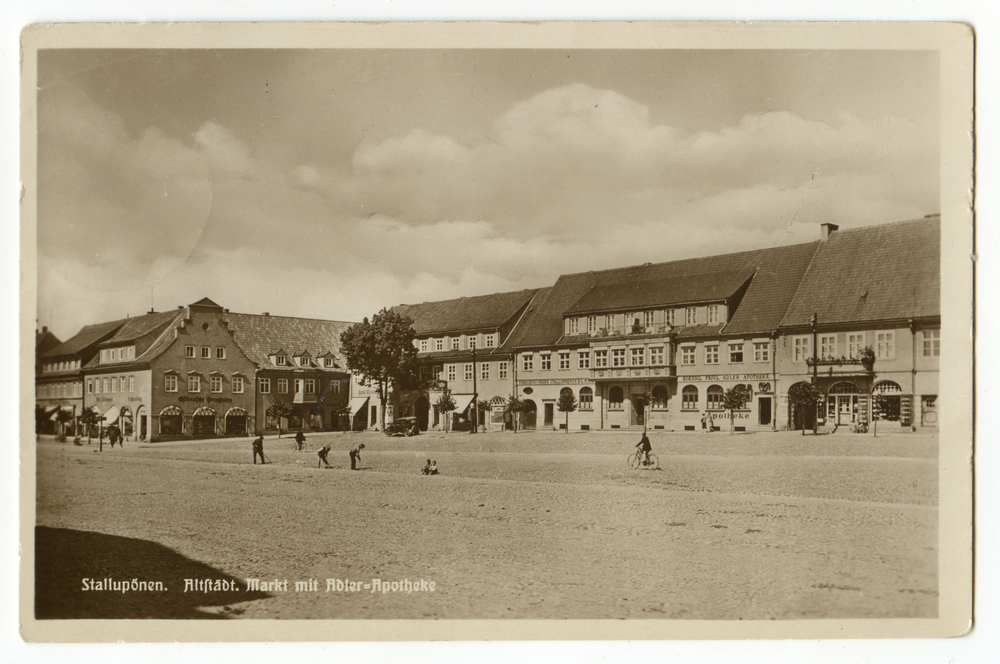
64	558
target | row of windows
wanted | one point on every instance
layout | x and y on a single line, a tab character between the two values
117	354
713	397
485	371
206	352
110	384
302	361
58	390
462	342
735	351
883	343
68	365
215	384
617	357
645	321
300	385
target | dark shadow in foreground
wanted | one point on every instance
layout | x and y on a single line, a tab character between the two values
64	558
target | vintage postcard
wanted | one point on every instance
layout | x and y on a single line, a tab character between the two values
496	331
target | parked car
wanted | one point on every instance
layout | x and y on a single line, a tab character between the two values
402	426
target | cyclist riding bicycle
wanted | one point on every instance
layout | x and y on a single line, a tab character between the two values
645	447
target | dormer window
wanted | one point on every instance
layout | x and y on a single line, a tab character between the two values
423	345
303	361
328	362
280	361
472	343
713	314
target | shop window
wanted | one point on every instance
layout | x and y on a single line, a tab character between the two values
659	397
171	421
713	397
689	398
615	398
586	398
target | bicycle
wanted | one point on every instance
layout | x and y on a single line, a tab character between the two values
636	461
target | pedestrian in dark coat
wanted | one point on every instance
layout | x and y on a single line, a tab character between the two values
300	440
323	451
258	448
356	456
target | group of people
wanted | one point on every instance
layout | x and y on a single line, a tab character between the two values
707	423
430	469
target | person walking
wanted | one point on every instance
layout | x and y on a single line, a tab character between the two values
300	440
704	423
323	451
258	449
711	423
355	454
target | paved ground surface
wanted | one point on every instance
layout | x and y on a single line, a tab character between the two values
530	525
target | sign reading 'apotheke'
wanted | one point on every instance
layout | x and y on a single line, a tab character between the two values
727	377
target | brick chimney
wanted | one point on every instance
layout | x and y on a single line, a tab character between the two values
826	230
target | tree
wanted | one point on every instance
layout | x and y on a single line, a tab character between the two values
278	410
63	417
566	404
382	354
445	404
735	398
89	418
514	407
804	396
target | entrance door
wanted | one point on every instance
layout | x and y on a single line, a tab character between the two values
421	408
142	427
639	411
764	411
847	408
530	414
549	414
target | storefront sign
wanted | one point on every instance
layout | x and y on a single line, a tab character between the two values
727	377
555	381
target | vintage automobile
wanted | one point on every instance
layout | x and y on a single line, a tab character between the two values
402	426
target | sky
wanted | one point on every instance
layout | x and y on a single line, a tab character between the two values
332	183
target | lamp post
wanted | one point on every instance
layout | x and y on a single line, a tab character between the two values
475	396
812	322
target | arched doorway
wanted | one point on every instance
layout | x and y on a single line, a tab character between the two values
142	419
798	417
887	400
842	403
421	410
203	422
236	422
126	421
530	414
171	421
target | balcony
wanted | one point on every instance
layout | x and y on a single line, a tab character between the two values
615	373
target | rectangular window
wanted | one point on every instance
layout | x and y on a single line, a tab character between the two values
736	353
484	371
335	386
932	343
647	319
802	347
584	359
237	384
264	385
502	370
638	357
528	362
220	353
131	383
545	361
455	343
591	323
114	354
107	385
689	398
656	356
282	386
216	383
310	386
451	372
423	345
436	371
618	357
439	344
574	326
690	316
468	371
298	385
564	360
194	383
886	347
586	399
189	351
206	352
669	317
600	358
828	345
687	355
472	342
328	362
280	360
114	384
713	314
170	383
855	344
711	354
762	351
491	340
90	386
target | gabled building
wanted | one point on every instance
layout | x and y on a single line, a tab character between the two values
463	347
877	287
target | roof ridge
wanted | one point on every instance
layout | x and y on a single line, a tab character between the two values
318	320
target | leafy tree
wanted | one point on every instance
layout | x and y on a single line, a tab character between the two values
735	398
514	407
446	405
63	418
804	397
382	353
89	418
566	404
278	410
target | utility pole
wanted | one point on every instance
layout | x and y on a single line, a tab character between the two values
815	380
475	395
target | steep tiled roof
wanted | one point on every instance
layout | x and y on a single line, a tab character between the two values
140	326
886	272
767	294
260	335
466	313
87	336
674	290
45	341
524	330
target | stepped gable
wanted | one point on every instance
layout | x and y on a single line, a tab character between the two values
873	273
87	336
259	336
465	313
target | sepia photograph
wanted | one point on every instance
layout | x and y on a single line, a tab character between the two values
496	331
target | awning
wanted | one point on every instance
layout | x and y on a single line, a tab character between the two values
111	416
357	403
55	412
462	401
